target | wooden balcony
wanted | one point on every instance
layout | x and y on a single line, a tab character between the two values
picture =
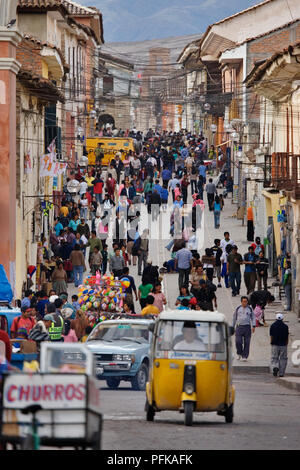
282	172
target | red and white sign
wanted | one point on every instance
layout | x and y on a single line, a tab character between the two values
49	390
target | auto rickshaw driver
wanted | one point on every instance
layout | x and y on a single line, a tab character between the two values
190	340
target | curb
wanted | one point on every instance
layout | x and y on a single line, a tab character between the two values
290	382
254	369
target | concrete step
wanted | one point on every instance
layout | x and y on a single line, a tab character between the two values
293	383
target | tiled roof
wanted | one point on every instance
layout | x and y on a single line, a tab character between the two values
40	86
258	70
35	40
39	3
76	9
42	5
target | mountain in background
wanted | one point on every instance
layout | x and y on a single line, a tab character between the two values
136	52
141	20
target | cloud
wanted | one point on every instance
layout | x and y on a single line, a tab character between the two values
138	20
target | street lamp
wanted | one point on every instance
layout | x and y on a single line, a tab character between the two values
213	129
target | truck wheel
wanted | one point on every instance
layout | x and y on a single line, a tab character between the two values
188	413
113	383
229	414
150	413
139	381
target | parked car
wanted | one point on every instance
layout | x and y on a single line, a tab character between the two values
121	349
7	316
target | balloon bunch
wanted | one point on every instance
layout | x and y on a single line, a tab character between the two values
105	294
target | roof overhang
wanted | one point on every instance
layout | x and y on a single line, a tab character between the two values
214	44
275	78
54	62
40	87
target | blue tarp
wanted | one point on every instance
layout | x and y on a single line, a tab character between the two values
6	293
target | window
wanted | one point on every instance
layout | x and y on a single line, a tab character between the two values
120	331
108	85
191	336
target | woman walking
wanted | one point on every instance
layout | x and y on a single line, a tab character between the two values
59	279
217	211
84	203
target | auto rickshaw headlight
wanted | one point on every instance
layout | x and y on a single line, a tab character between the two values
189	389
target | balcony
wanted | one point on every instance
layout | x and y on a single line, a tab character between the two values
282	172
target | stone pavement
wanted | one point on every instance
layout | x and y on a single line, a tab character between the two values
259	358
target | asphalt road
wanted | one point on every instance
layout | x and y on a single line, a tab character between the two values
266	417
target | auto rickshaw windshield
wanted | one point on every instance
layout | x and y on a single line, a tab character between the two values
191	336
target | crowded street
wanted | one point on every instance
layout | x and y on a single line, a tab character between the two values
150	255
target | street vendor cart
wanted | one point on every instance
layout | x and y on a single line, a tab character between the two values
63	399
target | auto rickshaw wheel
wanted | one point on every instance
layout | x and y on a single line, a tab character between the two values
150	413
113	383
188	413
229	414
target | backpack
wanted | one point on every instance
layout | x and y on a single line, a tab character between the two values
194	170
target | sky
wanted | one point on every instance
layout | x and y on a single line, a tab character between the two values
141	20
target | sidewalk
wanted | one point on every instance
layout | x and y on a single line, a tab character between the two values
260	349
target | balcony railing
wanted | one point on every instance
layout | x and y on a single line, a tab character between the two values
282	172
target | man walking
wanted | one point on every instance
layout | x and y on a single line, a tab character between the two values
143	250
211	191
183	260
244	322
234	261
250	259
117	264
279	333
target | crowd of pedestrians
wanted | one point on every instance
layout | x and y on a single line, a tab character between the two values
99	205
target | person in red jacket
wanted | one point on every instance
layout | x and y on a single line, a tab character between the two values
98	188
5	338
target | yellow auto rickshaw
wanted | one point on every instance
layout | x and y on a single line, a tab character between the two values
191	365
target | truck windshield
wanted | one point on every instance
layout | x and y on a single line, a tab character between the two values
191	336
120	331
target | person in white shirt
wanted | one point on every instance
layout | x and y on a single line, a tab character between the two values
84	207
226	241
83	187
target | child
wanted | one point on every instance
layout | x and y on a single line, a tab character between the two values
259	313
156	173
75	302
96	261
88	330
125	255
177	191
127	308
